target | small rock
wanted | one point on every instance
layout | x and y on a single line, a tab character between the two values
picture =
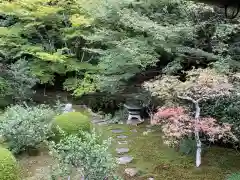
148	126
117	130
102	123
121	137
125	159
134	122
95	121
122	142
122	150
150	179
133	130
131	172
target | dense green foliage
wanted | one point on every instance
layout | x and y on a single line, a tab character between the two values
89	155
26	127
101	45
9	169
71	123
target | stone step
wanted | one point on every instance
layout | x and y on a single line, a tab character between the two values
122	142
117	130
121	137
97	121
133	130
122	150
124	159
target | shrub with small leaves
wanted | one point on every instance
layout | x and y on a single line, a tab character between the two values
87	154
26	127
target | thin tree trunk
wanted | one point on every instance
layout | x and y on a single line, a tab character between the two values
198	141
196	130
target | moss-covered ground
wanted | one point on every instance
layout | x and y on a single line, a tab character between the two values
154	159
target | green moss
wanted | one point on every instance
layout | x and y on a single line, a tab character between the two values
71	123
154	159
9	169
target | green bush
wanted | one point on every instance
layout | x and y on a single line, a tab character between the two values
87	154
9	169
71	123
26	127
234	176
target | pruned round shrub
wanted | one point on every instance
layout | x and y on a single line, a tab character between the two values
70	123
9	169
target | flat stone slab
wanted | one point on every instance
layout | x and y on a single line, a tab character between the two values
131	172
134	122
124	160
149	126
102	123
133	130
122	142
122	150
96	121
121	137
117	130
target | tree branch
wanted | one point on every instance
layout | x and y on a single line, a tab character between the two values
187	98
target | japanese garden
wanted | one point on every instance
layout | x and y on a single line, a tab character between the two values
119	90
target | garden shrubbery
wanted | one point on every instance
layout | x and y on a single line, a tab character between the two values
87	154
71	123
26	127
9	169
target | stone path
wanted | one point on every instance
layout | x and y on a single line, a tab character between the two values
123	149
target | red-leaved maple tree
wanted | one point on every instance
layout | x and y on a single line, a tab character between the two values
200	85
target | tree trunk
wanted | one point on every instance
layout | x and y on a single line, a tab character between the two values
198	141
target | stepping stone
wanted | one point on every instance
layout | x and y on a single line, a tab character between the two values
124	159
122	142
131	172
148	126
97	121
122	150
102	123
117	130
135	122
121	137
133	130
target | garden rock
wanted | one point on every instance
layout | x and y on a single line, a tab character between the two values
121	137
68	108
133	130
122	142
122	150
148	126
103	123
131	172
117	130
125	159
